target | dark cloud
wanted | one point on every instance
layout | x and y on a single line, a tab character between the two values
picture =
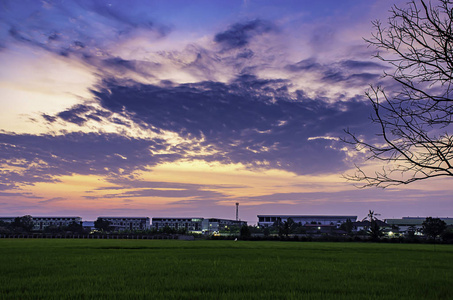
49	118
348	72
251	121
73	115
358	79
240	34
305	65
361	65
79	114
119	66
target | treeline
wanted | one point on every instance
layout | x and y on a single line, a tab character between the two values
432	230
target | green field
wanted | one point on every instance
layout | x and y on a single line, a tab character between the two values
170	269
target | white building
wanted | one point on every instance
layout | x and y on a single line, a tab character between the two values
269	220
128	223
189	224
215	225
41	223
199	225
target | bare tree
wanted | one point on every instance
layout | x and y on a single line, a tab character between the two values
415	119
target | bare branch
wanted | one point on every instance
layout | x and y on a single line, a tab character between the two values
415	122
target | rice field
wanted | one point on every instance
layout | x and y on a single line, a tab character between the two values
171	269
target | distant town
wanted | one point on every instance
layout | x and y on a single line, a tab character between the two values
267	226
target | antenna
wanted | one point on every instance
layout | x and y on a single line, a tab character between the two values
237	211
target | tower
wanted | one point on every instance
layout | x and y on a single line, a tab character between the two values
237	211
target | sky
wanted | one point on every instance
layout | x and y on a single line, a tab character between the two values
183	108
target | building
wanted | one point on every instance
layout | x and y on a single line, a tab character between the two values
407	224
128	223
189	224
41	223
305	220
7	219
198	225
215	225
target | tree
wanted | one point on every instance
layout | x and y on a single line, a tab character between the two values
245	232
102	225
375	231
289	226
411	231
347	226
24	222
447	235
53	229
75	227
285	228
168	230
415	117
279	226
433	227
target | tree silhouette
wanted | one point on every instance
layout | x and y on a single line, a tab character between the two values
245	232
433	227
24	222
374	231
415	116
347	226
102	225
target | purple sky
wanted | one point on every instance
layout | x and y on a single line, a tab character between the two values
183	108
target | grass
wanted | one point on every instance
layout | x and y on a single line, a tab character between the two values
170	269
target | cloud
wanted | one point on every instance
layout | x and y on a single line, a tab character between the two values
52	200
350	73
72	115
339	197
240	34
28	159
361	65
234	102
136	188
198	194
124	183
304	65
19	194
250	120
